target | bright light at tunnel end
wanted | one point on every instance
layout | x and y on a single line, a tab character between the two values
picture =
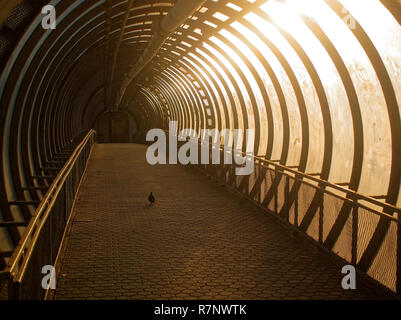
290	9
197	151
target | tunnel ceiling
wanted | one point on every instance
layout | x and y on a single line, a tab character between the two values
318	80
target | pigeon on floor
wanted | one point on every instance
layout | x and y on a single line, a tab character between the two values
151	199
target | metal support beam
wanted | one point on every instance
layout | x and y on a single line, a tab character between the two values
117	49
176	17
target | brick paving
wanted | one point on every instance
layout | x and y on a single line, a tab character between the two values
199	241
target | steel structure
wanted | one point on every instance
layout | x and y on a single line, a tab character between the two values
317	80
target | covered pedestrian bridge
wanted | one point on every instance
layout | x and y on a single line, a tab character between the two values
318	82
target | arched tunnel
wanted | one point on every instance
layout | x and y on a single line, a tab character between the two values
318	82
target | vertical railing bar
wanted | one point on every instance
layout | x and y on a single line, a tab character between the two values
51	225
321	213
355	217
287	198
323	189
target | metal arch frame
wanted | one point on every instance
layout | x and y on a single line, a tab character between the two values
210	104
394	8
172	72
205	87
93	108
238	90
352	100
328	141
173	97
267	105
153	122
192	91
295	86
214	87
14	178
85	109
217	22
50	74
326	112
199	85
158	106
319	87
173	109
361	36
60	136
213	103
183	97
45	74
171	101
201	60
212	79
282	101
178	14
59	78
243	78
65	77
234	84
161	101
200	92
328	131
394	116
3	91
191	113
158	109
303	154
141	100
107	47
117	49
7	213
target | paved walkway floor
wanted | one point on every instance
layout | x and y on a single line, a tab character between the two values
199	241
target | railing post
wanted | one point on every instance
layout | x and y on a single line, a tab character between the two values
354	249
321	213
296	224
287	198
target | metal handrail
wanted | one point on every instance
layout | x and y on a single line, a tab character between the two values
22	253
392	218
352	195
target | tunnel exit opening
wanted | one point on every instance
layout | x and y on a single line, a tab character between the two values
116	127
